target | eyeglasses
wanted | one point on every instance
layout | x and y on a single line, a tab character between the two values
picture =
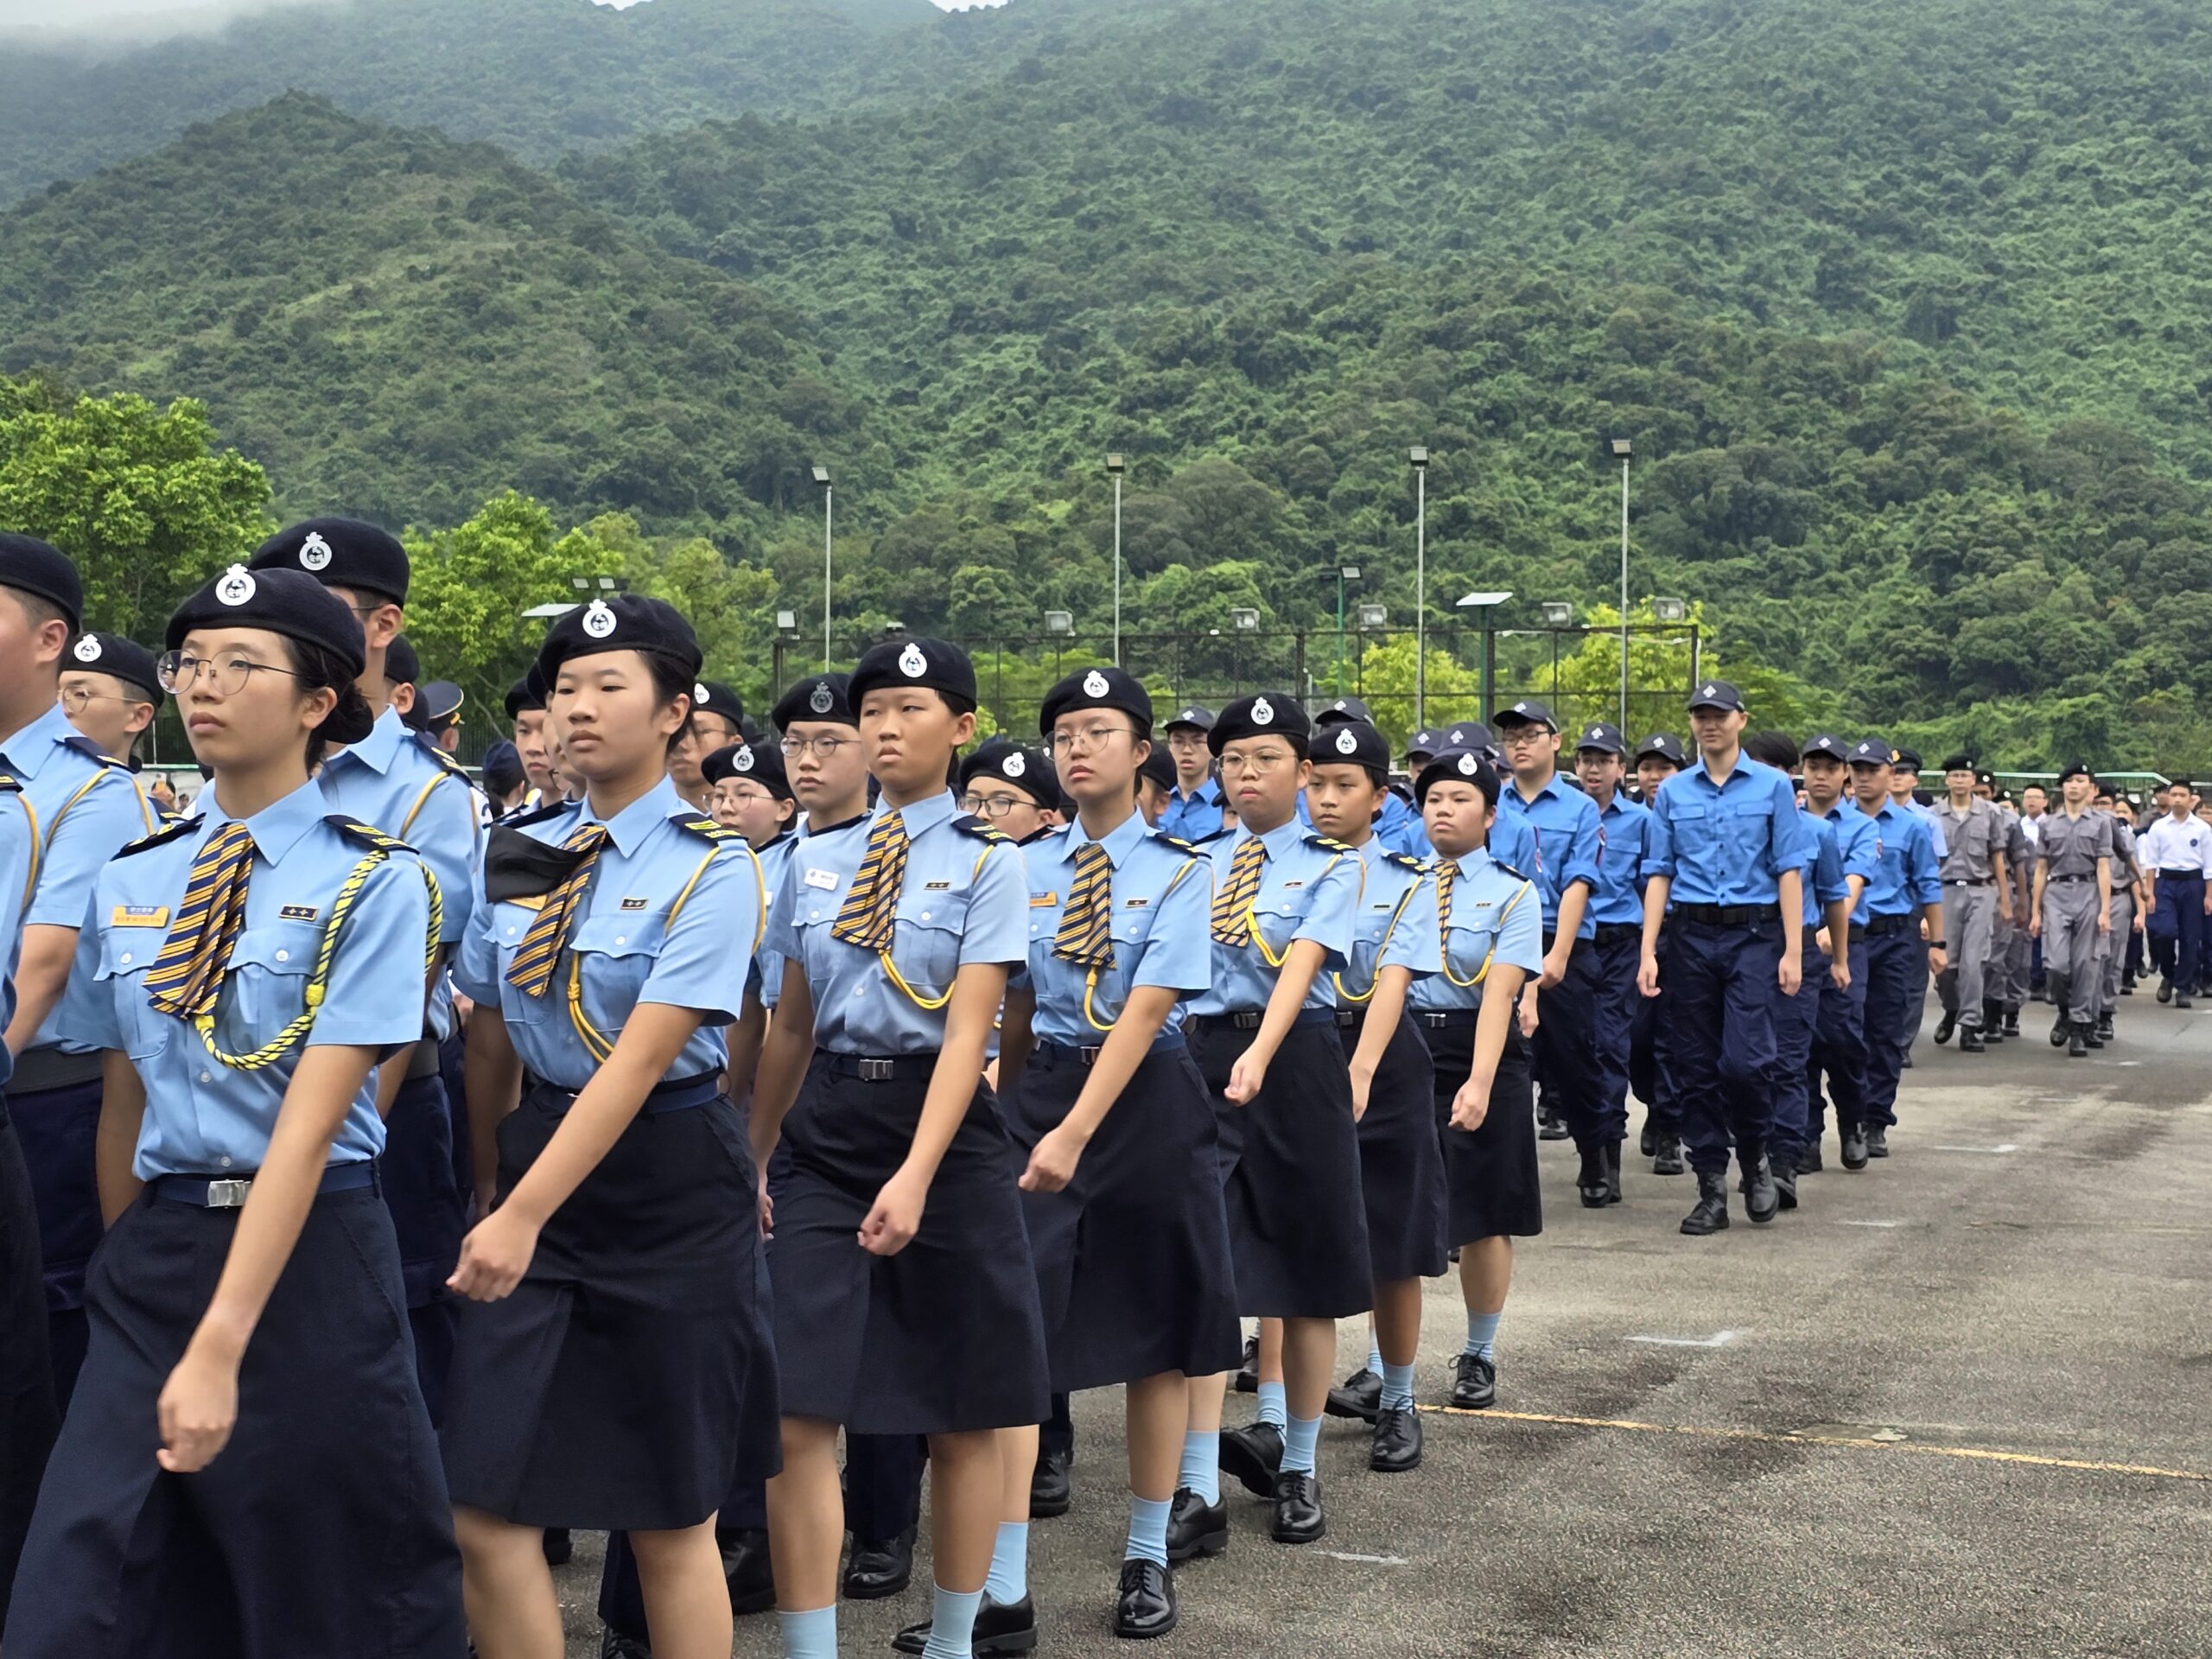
75	699
825	748
1186	739
1522	737
733	792
1091	737
1264	761
225	679
992	806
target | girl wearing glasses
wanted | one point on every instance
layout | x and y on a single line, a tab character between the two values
248	1457
1010	788
110	688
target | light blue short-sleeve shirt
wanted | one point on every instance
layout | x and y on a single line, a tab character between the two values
1160	895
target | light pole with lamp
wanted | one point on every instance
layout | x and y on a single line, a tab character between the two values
1485	603
1345	573
1622	448
1113	466
1418	457
822	483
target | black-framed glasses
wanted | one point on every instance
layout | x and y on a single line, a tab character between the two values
992	806
1089	737
227	677
825	748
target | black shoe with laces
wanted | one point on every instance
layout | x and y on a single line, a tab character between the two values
1003	1630
1474	1382
1710	1214
1196	1528
1808	1162
1358	1396
1247	1374
1297	1518
1049	1490
1590	1179
1668	1160
614	1646
1945	1027
1144	1606
1877	1140
1253	1454
747	1568
1550	1126
1396	1448
1854	1146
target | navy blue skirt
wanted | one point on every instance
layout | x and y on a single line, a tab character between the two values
946	1336
631	1375
1132	1255
321	1528
1290	1158
1490	1173
1401	1160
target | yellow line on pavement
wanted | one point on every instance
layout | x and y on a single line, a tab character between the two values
1972	1454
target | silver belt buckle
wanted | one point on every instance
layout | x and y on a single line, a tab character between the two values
875	1071
227	1195
1090	1055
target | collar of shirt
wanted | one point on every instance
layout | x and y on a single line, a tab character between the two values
277	827
1555	788
924	814
1278	841
1208	792
1619	806
628	827
378	750
1740	767
1117	841
772	843
27	750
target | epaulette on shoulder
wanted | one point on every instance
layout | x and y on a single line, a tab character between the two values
1508	869
85	747
1405	861
1208	840
523	814
1329	843
367	834
9	785
167	833
968	824
1189	848
705	829
446	764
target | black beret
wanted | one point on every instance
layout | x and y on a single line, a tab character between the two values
340	553
440	702
401	665
1905	760
1272	714
526	695
1097	688
1984	775
1159	766
1196	716
762	762
1342	710
32	567
1026	769
503	771
1459	766
719	697
290	602
620	622
126	659
1351	743
1960	762
1666	745
930	665
1600	736
823	697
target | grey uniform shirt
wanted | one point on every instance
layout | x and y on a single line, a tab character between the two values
2073	846
2125	869
1974	838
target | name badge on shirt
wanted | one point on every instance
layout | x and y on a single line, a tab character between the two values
635	904
1134	904
823	879
140	916
1287	886
1043	901
299	913
937	886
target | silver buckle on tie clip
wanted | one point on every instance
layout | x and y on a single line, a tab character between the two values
227	1195
875	1071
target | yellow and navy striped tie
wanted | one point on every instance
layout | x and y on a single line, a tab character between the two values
532	971
1086	933
872	905
1446	873
189	969
1232	905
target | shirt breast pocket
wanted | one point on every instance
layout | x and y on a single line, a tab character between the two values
925	939
267	980
615	956
510	924
1275	916
126	956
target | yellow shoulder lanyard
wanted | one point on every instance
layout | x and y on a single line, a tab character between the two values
295	1033
1252	918
1483	972
38	850
1090	980
594	1039
1404	899
929	1004
86	788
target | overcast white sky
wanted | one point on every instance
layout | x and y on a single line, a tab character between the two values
49	14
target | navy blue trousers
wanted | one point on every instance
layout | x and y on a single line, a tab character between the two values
57	1129
28	1418
428	1215
1651	1060
1797	1019
1722	981
2179	922
1567	1064
1896	973
1839	1050
1615	1005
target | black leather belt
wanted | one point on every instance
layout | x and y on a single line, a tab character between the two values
1880	926
1728	915
1858	931
229	1191
2070	878
892	1068
1969	881
669	1095
1250	1019
1439	1019
2181	876
41	1069
1608	933
1051	1055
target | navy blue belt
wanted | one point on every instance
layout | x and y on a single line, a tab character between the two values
1728	915
1057	1054
1880	925
229	1191
2181	876
1250	1019
1609	931
893	1068
1441	1018
669	1095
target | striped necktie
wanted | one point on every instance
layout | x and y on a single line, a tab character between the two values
531	971
871	905
1232	905
1086	937
1446	873
189	969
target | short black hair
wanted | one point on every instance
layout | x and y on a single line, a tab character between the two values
1776	749
38	608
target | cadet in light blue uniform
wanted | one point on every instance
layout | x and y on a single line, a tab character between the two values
614	1368
1838	1051
1194	804
248	1414
1397	826
1123	1200
904	1299
28	1418
1490	925
1907	888
1728	845
1282	922
86	806
405	786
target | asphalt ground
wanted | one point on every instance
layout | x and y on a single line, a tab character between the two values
1955	1405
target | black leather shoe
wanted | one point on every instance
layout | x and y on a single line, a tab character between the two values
1247	1374
1854	1146
1359	1396
1945	1027
1970	1042
1048	1486
1396	1450
880	1567
1762	1199
2166	990
1297	1518
1710	1215
745	1565
1877	1140
2061	1032
2091	1037
2077	1044
1590	1179
1612	1151
1253	1454
1992	1023
1474	1382
2013	1022
1808	1162
611	1646
2104	1026
2127	984
1668	1160
1145	1606
1000	1629
1550	1126
1648	1142
1196	1528
1906	1063
1783	1170
2180	1002
558	1547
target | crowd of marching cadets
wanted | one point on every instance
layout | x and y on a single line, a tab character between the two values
397	1174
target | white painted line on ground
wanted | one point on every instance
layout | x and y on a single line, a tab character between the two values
1367	1561
2007	1147
1868	1223
1717	1340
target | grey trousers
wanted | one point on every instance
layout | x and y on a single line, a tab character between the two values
2115	950
2073	966
1969	914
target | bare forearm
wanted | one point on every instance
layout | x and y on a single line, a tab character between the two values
1384	1009
1791	888
492	1075
115	1148
41	972
1655	910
